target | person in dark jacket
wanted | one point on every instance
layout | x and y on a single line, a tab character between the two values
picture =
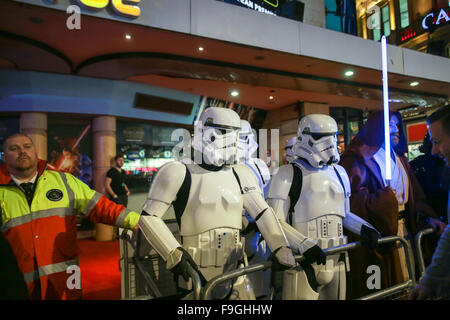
12	284
397	208
434	177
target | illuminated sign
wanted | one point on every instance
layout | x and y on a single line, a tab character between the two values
127	10
434	20
272	4
408	35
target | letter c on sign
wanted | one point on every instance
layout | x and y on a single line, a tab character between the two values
127	9
424	21
95	4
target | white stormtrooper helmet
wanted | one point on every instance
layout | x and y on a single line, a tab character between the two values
317	140
215	136
290	156
246	144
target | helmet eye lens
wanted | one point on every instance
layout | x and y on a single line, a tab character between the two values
318	136
220	132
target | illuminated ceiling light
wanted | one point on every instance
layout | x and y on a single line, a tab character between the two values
271	97
349	73
414	83
234	93
200	49
128	36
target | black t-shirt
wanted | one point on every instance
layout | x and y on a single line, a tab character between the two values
118	181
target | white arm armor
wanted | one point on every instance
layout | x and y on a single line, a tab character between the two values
162	193
354	223
278	195
255	204
263	169
299	243
278	198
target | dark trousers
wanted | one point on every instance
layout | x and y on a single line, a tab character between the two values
122	199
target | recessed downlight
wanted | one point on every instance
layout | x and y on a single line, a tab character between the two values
414	84
234	93
349	73
128	36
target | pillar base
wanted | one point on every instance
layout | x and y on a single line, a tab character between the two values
104	232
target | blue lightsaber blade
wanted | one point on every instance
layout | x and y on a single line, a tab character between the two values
387	140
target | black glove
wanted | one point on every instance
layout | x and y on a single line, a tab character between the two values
181	268
369	237
276	265
315	254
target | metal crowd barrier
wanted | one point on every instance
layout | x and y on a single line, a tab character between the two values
418	244
206	291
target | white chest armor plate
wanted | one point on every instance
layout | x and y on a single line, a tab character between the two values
214	201
321	206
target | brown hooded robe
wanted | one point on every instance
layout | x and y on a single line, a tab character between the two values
378	205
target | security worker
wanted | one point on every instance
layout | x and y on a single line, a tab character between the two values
38	219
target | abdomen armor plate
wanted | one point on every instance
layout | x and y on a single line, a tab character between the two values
215	201
320	208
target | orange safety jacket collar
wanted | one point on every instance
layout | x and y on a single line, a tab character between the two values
5	177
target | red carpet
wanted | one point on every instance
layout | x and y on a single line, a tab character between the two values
99	265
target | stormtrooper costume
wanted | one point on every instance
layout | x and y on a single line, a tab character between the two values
311	198
208	195
256	249
290	156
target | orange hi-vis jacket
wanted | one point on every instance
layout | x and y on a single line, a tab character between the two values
43	236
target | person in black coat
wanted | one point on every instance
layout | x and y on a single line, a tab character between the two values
12	283
434	177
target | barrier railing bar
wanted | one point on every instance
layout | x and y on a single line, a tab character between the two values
207	289
388	291
137	260
196	282
126	268
418	243
399	287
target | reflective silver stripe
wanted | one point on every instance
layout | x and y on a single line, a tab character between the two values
121	218
92	203
49	269
61	212
70	193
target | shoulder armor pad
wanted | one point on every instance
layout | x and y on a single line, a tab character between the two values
281	182
167	182
345	179
264	170
246	178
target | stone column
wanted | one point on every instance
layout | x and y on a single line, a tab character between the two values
104	149
34	124
314	107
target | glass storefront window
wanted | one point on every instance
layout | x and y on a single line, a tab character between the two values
146	147
349	122
375	18
386	22
404	14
